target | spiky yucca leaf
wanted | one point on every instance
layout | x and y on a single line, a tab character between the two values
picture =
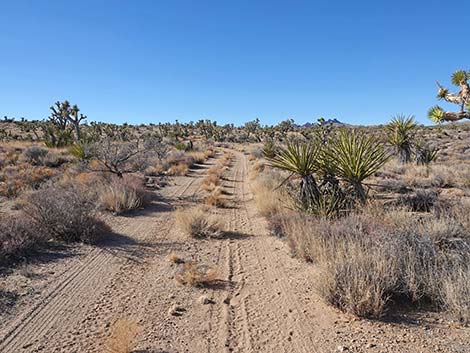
297	157
459	76
401	130
356	157
436	114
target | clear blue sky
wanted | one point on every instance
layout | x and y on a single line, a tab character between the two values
231	61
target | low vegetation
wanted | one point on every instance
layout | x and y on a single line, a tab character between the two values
196	223
195	275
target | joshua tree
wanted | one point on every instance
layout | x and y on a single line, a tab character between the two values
62	116
460	79
401	132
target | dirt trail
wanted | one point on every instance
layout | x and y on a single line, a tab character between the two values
263	303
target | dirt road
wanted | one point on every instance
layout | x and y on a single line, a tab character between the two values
264	302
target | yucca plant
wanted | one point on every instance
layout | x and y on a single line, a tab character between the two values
401	132
355	157
425	154
269	149
300	159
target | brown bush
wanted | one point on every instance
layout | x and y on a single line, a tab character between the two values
18	235
64	214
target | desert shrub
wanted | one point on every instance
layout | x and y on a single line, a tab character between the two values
18	235
196	223
64	214
14	179
35	155
53	160
368	260
123	194
421	201
456	294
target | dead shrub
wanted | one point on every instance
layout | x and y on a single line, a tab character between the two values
123	336
195	275
18	235
196	223
64	214
420	201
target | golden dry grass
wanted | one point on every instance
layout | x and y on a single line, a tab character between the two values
180	169
196	276
197	223
175	258
216	198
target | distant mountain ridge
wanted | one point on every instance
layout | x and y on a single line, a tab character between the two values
334	122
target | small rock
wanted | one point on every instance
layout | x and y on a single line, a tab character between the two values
342	349
176	310
204	300
227	300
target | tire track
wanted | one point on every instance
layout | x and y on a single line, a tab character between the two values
73	294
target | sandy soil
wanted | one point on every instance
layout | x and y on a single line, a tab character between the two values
264	302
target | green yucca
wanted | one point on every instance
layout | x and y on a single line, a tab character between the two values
355	157
301	160
401	131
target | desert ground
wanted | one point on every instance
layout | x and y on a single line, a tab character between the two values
234	285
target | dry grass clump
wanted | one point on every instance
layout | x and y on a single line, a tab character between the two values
175	258
216	171
226	159
256	169
368	260
196	276
267	197
197	157
123	194
209	153
123	336
179	169
210	182
216	198
197	223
